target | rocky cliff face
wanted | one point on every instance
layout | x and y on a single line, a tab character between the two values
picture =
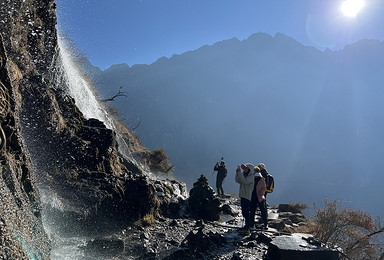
50	150
25	38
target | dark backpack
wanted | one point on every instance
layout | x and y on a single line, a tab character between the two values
270	183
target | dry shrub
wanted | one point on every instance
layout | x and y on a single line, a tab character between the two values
159	161
307	228
146	221
353	231
158	155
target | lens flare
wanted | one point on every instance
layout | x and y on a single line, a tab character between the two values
351	8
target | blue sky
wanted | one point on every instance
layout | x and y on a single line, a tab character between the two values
141	31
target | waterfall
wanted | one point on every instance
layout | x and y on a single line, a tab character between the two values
81	91
68	242
79	88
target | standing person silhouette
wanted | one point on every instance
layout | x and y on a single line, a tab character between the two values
246	181
221	174
258	199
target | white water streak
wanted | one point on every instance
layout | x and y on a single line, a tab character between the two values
80	89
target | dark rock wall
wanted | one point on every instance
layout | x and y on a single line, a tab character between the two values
74	157
49	148
21	232
45	140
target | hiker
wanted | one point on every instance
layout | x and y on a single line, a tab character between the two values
246	181
263	170
258	199
221	174
268	179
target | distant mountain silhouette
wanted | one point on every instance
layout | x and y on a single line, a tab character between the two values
314	118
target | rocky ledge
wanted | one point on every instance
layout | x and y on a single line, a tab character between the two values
189	236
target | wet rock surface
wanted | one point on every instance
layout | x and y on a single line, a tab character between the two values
52	156
24	39
189	237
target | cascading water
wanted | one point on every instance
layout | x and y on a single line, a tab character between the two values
68	245
80	90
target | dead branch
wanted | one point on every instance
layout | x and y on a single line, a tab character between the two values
118	94
138	124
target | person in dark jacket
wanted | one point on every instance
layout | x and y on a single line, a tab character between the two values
221	174
263	170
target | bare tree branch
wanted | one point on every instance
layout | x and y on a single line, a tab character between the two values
118	94
138	124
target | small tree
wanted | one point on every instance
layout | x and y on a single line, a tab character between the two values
353	231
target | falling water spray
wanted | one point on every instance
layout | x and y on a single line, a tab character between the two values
81	91
79	88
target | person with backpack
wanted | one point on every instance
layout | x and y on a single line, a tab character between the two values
246	181
221	174
269	181
258	199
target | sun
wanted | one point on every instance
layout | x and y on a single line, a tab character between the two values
351	8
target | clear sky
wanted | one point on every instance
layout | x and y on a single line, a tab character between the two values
141	31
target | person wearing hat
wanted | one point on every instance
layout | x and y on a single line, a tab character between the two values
246	180
221	174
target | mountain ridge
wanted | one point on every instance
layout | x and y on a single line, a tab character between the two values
304	99
257	37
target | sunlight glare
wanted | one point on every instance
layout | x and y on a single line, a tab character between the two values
351	8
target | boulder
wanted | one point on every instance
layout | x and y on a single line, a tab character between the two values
198	241
292	217
292	207
171	194
277	223
226	209
299	247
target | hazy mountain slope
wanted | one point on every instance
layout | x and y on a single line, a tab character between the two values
313	117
